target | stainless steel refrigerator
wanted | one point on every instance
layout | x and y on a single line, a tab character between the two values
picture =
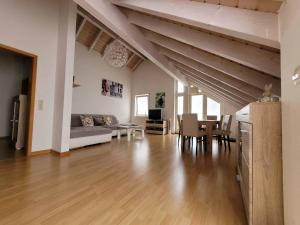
19	121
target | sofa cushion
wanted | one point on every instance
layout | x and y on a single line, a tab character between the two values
108	120
99	120
87	120
77	132
75	120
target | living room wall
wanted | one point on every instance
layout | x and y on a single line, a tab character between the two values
89	70
32	26
149	79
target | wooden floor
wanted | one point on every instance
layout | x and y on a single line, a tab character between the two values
141	182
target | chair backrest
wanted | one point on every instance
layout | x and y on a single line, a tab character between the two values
179	118
190	125
220	124
226	125
211	117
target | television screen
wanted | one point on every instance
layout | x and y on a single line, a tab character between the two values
155	114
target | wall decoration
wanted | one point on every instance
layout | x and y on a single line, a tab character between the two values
116	54
160	99
111	88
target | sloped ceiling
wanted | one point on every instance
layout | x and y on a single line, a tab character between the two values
94	35
232	59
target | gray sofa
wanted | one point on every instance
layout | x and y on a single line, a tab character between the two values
82	136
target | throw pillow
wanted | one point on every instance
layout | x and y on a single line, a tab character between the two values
108	120
87	120
99	121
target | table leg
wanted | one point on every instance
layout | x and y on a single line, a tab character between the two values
143	133
209	137
119	134
182	143
133	132
128	134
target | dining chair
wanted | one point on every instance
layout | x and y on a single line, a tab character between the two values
226	126
212	117
190	128
217	132
179	118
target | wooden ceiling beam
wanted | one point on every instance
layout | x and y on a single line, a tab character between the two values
130	58
235	70
80	27
247	55
224	78
86	18
216	92
111	17
219	98
212	81
137	64
95	40
253	26
216	88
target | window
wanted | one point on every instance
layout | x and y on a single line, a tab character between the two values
180	105
197	106
141	105
213	108
180	87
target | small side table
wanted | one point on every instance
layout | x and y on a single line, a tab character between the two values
130	129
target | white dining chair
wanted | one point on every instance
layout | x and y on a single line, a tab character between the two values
179	118
223	132
190	129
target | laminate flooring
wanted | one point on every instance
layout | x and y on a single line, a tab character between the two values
147	181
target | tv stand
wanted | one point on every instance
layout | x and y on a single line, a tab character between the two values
157	127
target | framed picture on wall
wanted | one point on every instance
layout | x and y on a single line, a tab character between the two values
112	88
160	99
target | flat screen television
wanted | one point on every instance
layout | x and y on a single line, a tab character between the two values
155	114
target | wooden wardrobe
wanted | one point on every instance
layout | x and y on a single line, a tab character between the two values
260	162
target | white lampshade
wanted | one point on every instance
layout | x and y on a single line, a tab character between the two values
116	54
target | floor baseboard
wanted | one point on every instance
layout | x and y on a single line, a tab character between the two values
41	152
60	154
50	151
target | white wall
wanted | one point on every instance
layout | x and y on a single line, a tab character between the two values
90	69
149	79
12	71
64	76
290	53
32	26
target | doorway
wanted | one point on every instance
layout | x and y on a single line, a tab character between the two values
17	83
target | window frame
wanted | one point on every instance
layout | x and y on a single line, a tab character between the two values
136	105
220	106
177	88
203	105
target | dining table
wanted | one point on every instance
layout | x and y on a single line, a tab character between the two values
209	126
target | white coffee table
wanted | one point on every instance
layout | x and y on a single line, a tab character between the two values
130	129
